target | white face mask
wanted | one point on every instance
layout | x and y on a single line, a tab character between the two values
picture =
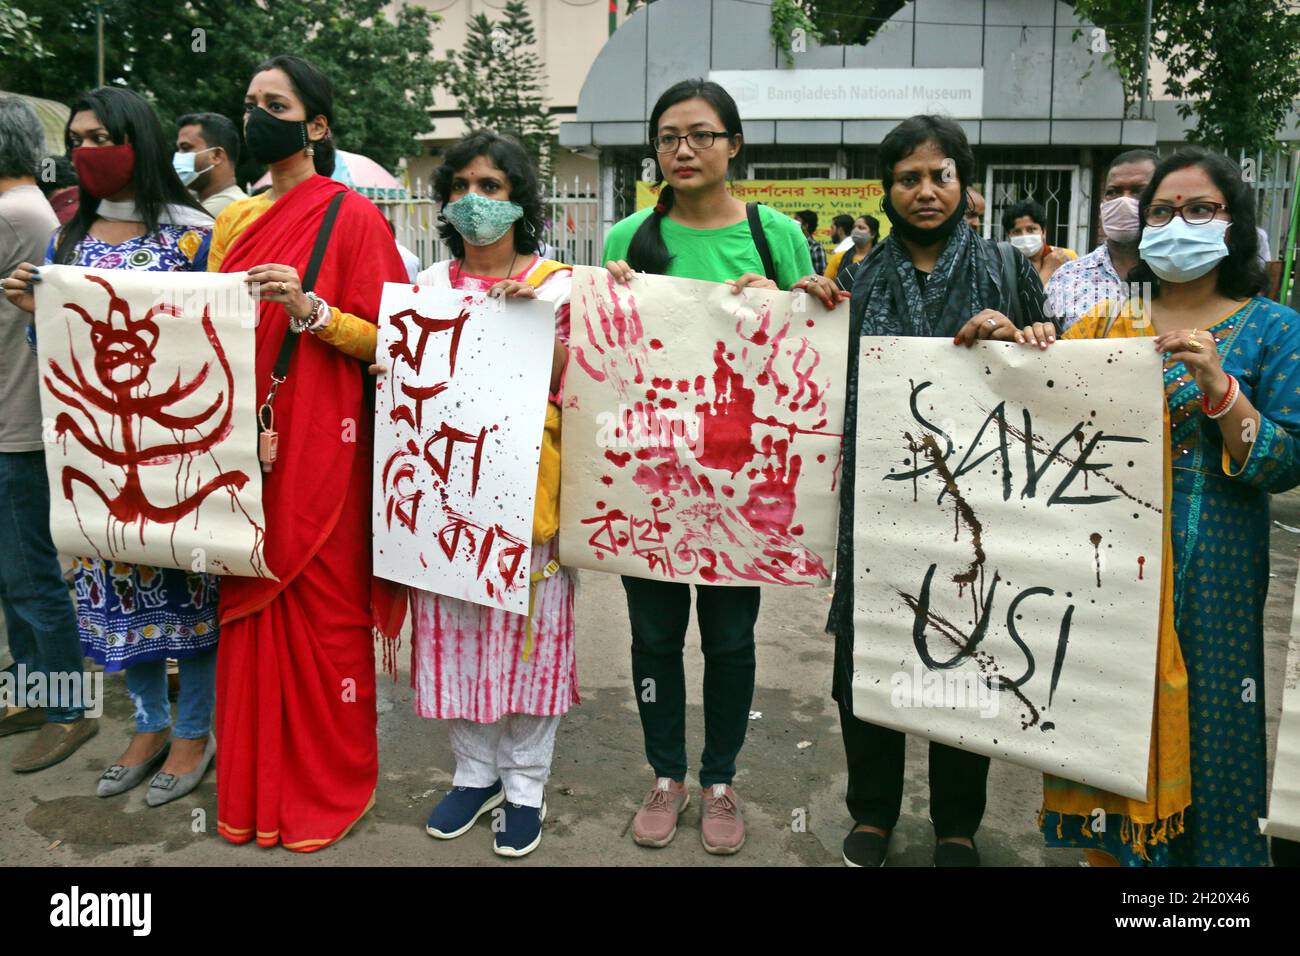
1179	252
1030	245
183	163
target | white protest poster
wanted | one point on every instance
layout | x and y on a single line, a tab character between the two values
1284	797
1007	550
458	437
701	432
148	396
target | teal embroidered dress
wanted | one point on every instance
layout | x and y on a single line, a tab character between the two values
1220	527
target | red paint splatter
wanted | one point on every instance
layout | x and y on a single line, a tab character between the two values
771	504
581	359
619	458
726	426
656	344
401	351
605	479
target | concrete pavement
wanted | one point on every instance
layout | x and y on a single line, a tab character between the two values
791	770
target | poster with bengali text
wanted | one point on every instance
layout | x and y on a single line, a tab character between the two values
458	437
701	432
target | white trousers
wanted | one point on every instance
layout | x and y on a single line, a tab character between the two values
516	750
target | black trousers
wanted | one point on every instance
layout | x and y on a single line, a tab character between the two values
875	754
660	612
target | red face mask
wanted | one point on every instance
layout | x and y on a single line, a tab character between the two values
104	170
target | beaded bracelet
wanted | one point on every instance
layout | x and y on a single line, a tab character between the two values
1224	406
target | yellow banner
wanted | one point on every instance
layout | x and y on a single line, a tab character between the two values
826	197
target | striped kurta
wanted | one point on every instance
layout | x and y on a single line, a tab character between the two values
468	659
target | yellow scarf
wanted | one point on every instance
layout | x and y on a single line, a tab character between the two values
1169	773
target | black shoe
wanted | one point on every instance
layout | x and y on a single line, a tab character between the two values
956	854
864	848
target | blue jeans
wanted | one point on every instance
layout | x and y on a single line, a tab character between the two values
147	684
37	604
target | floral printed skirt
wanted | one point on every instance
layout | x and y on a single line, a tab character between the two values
129	613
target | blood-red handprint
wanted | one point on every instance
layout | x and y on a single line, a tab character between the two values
725	431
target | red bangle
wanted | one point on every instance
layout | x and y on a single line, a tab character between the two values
1224	404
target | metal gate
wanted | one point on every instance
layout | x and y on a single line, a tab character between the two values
1056	187
572	226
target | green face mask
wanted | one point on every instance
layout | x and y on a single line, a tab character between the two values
481	221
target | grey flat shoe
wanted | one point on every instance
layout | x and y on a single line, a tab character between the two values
118	779
166	787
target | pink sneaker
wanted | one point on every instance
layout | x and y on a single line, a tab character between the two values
655	823
722	829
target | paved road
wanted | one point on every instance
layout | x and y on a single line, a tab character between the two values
600	774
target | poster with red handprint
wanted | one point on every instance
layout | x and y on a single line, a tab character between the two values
147	396
701	432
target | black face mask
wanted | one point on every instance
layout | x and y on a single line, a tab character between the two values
271	139
922	235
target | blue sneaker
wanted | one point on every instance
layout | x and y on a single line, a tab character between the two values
522	832
458	810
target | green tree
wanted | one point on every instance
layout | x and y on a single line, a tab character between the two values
1232	61
498	81
17	28
198	55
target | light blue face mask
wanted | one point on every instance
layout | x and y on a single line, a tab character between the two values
1179	252
481	221
183	163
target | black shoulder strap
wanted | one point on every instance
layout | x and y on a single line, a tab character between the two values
760	240
1010	283
290	340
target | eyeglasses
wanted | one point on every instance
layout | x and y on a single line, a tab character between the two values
698	138
1196	213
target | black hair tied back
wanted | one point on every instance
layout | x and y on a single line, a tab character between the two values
647	251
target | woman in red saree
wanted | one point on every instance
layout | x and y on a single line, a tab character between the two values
297	758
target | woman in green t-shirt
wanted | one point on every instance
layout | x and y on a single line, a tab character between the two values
698	230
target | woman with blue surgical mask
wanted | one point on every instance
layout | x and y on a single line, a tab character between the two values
1232	431
499	681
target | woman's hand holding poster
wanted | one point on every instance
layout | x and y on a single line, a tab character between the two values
701	431
1007	549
